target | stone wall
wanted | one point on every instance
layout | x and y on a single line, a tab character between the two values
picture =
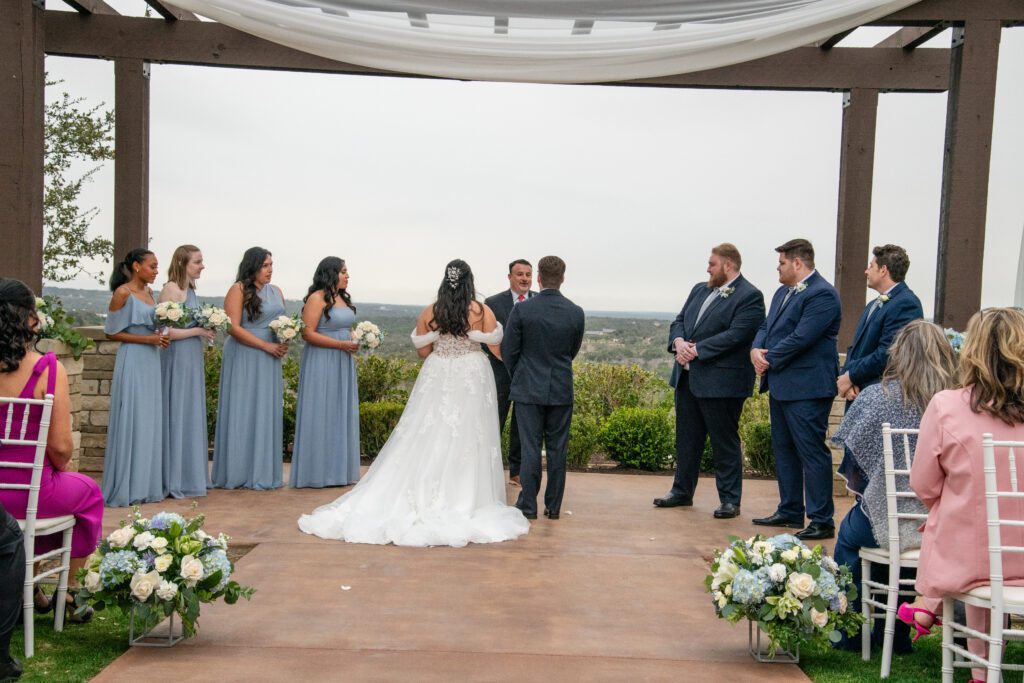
94	413
834	418
74	370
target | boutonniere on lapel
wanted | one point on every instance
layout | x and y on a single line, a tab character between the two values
883	300
724	292
799	287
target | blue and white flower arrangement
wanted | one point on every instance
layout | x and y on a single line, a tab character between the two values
160	566
956	339
795	594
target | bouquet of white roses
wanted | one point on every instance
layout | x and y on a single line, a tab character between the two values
211	318
796	594
43	313
287	329
158	566
368	335
172	314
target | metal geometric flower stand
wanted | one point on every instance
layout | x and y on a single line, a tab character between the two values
759	650
158	636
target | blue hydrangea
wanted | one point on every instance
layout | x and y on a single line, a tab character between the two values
827	587
214	560
786	541
748	587
162	521
149	559
115	566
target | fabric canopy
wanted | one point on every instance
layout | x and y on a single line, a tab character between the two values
546	41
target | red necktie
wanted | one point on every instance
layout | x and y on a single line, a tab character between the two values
521	297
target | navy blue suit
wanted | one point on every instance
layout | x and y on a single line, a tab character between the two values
800	337
709	395
867	356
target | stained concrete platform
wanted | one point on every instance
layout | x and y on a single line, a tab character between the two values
612	592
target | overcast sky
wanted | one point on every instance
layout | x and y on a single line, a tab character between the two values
631	186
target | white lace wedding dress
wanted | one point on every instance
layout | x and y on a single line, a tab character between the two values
438	480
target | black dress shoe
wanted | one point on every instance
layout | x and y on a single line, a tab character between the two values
551	515
817	531
528	515
777	520
727	511
673	502
10	670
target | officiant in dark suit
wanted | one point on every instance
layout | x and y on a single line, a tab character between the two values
882	319
520	278
541	340
713	377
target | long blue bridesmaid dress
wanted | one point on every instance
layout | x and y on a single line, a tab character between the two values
327	416
132	468
248	443
185	438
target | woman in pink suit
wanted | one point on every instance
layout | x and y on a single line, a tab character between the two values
947	473
24	373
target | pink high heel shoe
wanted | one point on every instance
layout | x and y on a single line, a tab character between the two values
906	614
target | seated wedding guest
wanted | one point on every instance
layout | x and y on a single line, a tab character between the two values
326	449
12	577
132	467
24	373
921	364
248	444
947	473
186	444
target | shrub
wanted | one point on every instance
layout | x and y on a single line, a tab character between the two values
376	422
60	325
211	361
757	447
290	373
584	437
707	458
639	437
385	379
601	388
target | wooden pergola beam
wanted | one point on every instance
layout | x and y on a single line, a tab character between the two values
170	12
212	44
910	37
832	41
91	7
955	12
131	169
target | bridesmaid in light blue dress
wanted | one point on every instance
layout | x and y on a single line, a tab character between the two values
186	442
327	415
132	468
248	448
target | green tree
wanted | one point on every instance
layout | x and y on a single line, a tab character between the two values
72	134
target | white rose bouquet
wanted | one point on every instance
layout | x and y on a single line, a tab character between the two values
211	318
796	594
158	566
172	314
368	335
287	329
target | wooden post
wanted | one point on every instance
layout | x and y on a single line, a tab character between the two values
965	167
131	165
22	97
853	224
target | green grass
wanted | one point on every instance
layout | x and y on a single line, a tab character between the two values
77	653
924	665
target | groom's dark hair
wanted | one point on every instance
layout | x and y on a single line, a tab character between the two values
519	261
798	248
552	271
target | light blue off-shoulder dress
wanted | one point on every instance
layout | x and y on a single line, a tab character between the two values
327	416
133	466
185	438
247	446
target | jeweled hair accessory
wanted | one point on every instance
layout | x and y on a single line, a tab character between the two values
453	277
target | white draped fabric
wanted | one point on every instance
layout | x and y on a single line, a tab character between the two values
545	41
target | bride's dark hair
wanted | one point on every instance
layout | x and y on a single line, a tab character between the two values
455	296
325	280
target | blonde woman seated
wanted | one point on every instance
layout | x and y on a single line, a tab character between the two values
948	476
921	363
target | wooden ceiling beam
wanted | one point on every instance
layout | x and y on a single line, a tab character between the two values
91	7
170	12
955	12
909	37
832	41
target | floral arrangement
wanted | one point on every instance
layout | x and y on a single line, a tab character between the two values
158	566
956	339
211	318
286	329
172	314
794	593
55	323
368	335
726	292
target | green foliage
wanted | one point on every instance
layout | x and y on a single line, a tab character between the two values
601	388
376	422
639	437
61	326
757	447
584	441
385	379
212	361
290	372
707	458
71	135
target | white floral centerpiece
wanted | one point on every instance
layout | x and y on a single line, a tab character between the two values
160	566
172	314
43	313
286	328
368	335
211	318
794	593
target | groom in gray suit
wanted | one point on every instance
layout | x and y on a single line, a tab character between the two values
542	337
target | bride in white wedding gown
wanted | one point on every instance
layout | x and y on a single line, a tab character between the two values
438	480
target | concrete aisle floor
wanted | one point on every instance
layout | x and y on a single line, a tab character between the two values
612	592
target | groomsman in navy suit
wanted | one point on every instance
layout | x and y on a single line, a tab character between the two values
713	377
881	320
795	355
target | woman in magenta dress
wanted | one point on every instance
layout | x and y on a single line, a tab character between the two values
24	373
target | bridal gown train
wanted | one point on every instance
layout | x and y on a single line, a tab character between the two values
438	480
